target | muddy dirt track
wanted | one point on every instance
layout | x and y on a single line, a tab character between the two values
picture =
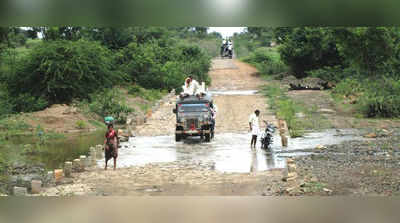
233	86
153	164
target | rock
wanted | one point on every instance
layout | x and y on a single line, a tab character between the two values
128	121
371	135
65	181
327	190
308	83
300	115
326	110
291	168
289	160
123	139
20	191
320	147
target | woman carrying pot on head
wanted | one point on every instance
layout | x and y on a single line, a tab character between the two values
111	145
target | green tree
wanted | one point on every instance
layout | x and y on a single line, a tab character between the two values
309	48
60	71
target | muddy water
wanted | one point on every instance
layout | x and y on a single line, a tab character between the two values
226	153
54	152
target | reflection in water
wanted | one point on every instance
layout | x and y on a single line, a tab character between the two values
229	152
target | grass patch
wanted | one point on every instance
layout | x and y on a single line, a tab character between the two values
97	124
150	95
284	107
298	116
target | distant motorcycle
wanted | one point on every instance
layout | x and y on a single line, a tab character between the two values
267	136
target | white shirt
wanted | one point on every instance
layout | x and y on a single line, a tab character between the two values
192	89
255	125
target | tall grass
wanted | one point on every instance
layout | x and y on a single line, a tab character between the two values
285	108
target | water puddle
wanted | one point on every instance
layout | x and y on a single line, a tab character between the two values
234	92
228	152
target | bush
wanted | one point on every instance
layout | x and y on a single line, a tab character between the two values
110	102
266	60
148	94
5	102
347	87
309	48
381	98
80	124
153	66
60	71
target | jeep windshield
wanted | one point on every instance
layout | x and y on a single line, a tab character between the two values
192	108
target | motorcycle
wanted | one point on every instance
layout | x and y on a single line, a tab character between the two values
267	136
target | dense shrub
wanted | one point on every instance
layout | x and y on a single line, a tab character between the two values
148	94
109	102
266	60
309	48
5	102
164	67
347	87
380	98
60	71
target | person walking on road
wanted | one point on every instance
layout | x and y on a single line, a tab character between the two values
254	127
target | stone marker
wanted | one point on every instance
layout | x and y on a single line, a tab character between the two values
20	191
93	156
67	169
83	162
99	152
49	178
36	186
76	165
284	140
291	168
58	175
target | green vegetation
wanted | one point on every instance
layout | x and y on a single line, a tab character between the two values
267	61
150	95
80	124
362	62
284	108
289	110
110	102
73	63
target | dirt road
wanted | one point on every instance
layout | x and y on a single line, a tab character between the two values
233	86
155	165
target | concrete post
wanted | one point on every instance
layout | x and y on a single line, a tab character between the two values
76	165
36	186
83	162
93	156
20	191
58	175
67	169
